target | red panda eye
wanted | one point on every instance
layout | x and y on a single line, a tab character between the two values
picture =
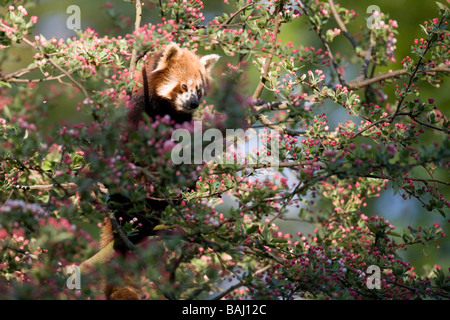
184	87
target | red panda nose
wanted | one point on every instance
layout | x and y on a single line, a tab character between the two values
193	103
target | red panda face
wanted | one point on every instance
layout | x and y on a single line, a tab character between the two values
182	77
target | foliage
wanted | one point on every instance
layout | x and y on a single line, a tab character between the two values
56	182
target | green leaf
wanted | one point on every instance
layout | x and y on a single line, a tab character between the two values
440	6
252	229
394	234
424	29
47	166
5	84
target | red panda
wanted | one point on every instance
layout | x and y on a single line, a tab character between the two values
171	82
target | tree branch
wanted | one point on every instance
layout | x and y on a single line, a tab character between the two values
235	14
43	186
269	58
415	289
263	118
137	25
21	251
411	78
382	120
324	42
358	84
367	58
66	73
18	73
239	284
128	244
342	26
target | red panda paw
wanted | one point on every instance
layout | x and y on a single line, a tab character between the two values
122	293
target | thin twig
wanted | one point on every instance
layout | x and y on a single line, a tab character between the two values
239	284
75	82
36	80
21	251
342	26
382	120
265	121
49	59
160	6
298	188
367	58
428	125
412	179
18	73
268	61
128	244
137	25
284	164
358	84
43	186
65	72
235	14
261	117
411	78
41	171
316	28
272	105
414	289
391	117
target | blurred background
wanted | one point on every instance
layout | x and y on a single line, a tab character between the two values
99	16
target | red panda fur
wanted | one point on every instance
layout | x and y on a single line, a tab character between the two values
168	75
171	82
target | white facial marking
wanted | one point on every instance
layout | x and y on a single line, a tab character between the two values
166	89
181	100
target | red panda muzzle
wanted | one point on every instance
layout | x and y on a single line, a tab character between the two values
192	104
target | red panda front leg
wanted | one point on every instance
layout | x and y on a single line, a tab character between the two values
122	209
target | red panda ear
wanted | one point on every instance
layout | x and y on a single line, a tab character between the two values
209	61
171	51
